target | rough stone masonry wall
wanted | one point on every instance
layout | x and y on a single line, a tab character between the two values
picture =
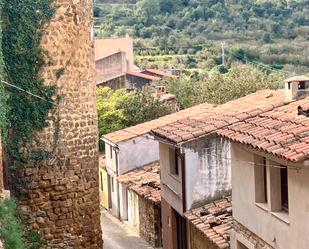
246	235
150	222
61	197
198	240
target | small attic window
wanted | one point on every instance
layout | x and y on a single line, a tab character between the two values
302	85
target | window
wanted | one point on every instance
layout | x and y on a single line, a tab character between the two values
289	85
176	161
284	189
279	189
110	152
260	175
101	180
302	85
112	183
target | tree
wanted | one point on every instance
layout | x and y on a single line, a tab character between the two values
219	88
120	109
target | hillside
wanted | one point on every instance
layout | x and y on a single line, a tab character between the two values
274	33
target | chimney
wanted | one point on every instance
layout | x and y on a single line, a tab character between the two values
296	87
160	90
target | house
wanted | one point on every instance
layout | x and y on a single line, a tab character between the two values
138	79
270	159
111	71
103	182
144	202
131	148
193	158
107	47
113	59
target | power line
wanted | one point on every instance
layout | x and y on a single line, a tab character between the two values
42	98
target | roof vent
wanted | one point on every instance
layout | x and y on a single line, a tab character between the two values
296	87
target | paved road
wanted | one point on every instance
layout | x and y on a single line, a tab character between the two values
117	235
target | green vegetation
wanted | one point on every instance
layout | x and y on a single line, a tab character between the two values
11	230
220	88
22	115
270	32
120	109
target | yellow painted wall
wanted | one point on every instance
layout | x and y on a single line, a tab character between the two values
103	188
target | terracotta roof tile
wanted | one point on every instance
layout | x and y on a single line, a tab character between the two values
218	117
144	181
281	132
144	128
144	76
214	220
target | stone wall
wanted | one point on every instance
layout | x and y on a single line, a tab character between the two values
198	240
241	234
150	222
61	195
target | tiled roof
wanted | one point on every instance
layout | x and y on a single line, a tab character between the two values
214	220
281	132
196	126
297	78
145	182
144	128
158	72
144	76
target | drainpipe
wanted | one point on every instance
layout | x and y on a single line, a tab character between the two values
116	149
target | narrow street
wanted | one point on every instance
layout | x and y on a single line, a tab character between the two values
117	235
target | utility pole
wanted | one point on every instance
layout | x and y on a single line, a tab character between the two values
223	52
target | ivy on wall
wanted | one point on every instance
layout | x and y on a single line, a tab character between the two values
23	115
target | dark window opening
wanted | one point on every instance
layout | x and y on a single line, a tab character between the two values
284	189
289	85
176	161
112	183
301	85
265	179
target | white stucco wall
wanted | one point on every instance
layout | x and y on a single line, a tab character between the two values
110	160
263	223
136	153
208	170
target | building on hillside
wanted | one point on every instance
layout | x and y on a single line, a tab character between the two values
131	148
270	159
107	47
210	225
113	59
111	71
139	79
194	169
144	202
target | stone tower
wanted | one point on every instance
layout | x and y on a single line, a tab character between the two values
62	192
